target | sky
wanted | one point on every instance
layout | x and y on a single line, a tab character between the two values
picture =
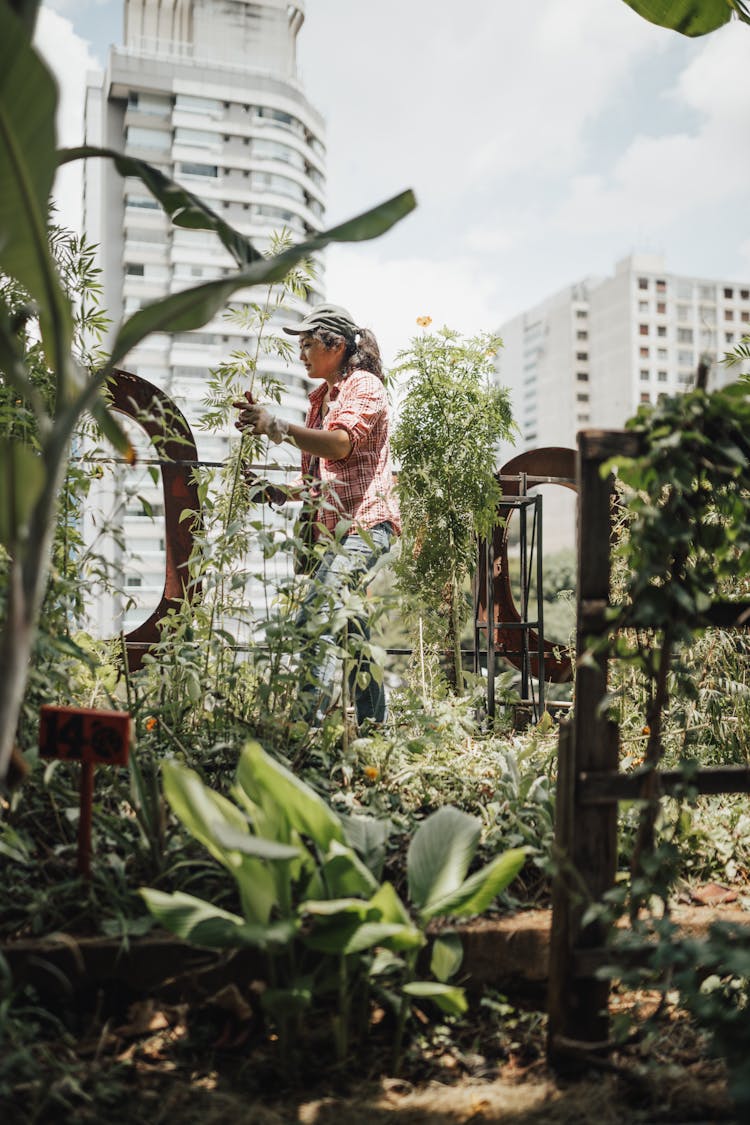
544	141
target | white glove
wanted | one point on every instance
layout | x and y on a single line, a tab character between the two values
262	421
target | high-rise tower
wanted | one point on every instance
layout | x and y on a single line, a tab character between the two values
207	91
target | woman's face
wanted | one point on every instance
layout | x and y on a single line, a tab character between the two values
319	361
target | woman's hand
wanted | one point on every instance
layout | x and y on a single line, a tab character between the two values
263	490
259	420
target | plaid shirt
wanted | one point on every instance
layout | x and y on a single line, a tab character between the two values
360	486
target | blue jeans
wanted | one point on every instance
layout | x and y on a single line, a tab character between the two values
342	568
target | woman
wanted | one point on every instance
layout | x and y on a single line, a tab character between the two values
346	452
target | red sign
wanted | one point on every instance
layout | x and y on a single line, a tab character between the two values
80	734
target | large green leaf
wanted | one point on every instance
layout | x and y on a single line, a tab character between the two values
690	17
191	308
256	846
440	853
268	783
183	207
475	894
447	997
447	955
204	924
28	101
368	835
22	479
27	11
342	874
201	811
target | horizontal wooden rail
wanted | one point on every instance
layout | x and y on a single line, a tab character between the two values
607	786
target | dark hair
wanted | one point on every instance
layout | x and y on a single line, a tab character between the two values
361	351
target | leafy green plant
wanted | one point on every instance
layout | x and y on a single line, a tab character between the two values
451	421
690	17
688	540
328	927
32	477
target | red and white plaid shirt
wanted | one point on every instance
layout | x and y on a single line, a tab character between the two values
360	486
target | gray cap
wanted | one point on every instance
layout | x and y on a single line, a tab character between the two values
333	317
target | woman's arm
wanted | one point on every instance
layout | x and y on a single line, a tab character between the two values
332	445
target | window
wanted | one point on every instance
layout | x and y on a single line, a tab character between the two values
643	306
643	352
582	376
210	107
643	283
134	269
190	168
661	307
729	337
133	580
683	312
582	335
201	138
729	314
645	375
645	396
582	397
141	201
581	313
281	185
708	313
661	287
158	139
643	329
661	330
745	294
661	353
661	376
729	293
685	335
582	357
685	358
150	103
274	150
745	317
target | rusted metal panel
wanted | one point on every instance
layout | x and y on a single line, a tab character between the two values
167	428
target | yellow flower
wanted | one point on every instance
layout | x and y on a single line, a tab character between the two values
151	723
371	773
424	321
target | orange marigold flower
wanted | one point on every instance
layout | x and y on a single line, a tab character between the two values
371	773
424	321
647	730
151	723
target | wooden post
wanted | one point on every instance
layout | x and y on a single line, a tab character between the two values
84	818
579	1004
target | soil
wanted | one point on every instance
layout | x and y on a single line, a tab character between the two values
194	1050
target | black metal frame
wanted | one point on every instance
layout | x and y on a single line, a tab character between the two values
530	551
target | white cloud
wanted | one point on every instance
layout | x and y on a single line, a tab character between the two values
659	181
70	59
387	294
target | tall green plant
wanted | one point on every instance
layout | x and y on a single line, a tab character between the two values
452	419
31	479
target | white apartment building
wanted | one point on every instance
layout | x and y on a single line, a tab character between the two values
208	92
590	354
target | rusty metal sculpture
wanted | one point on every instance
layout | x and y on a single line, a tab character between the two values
169	432
548	465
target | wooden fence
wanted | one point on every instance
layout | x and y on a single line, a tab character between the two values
589	782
